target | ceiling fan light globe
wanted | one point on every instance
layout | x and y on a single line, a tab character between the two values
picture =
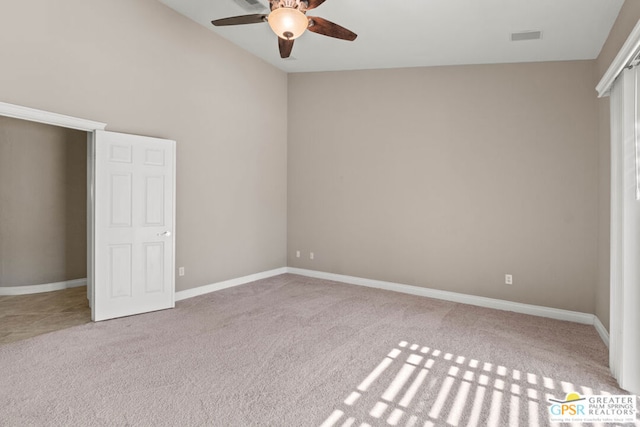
288	23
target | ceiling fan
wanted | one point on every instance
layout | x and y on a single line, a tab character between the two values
288	20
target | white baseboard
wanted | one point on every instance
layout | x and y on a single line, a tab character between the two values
535	310
201	290
602	331
46	287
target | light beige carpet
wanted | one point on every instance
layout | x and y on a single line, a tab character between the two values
294	351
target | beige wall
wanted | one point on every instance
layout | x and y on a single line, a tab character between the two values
449	178
441	177
144	69
43	203
627	19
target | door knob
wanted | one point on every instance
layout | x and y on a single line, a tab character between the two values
166	233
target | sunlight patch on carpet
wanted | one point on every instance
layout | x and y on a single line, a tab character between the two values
414	385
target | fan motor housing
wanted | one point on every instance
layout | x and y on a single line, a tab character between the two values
301	5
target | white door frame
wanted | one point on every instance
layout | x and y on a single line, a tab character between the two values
46	117
89	126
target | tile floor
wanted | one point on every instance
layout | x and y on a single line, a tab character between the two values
25	316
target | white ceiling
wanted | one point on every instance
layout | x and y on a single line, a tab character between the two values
410	33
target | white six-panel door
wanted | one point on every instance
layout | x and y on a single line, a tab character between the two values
134	210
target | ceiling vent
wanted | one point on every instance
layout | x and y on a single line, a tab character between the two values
251	5
526	35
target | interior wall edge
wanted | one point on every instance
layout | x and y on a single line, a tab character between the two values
601	329
45	287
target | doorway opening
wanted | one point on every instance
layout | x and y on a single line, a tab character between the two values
130	216
43	228
12	293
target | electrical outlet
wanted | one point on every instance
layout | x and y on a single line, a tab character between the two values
508	279
181	271
310	255
297	254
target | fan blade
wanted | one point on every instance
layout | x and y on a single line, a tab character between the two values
240	20
328	28
285	47
312	4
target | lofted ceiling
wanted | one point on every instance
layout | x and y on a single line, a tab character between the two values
413	33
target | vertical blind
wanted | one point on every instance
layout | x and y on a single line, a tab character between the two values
625	230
